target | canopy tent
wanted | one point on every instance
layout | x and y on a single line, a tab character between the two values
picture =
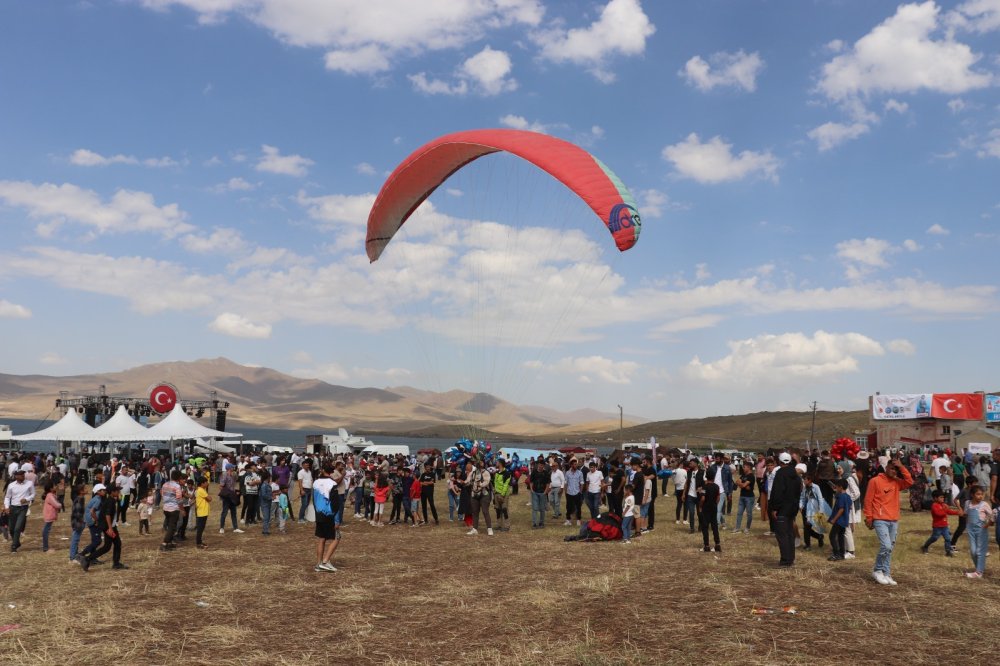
178	425
123	428
70	428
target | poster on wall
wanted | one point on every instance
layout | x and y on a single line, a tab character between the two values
980	448
993	408
901	406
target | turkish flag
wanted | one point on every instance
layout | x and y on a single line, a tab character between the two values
964	406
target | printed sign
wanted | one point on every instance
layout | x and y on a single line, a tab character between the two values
993	408
901	406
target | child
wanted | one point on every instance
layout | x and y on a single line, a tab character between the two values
415	489
50	512
284	508
381	494
944	483
708	512
979	517
839	520
201	506
939	523
628	506
76	520
369	500
145	512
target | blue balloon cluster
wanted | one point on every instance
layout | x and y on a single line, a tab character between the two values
465	449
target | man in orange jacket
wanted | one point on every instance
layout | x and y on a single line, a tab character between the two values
882	514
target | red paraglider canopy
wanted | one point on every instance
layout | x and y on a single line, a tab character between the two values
433	163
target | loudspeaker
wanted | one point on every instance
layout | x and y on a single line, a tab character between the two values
220	419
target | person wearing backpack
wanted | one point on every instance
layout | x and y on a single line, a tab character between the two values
325	498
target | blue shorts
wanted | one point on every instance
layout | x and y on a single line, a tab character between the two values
644	510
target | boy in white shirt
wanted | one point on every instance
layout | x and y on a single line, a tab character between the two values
628	507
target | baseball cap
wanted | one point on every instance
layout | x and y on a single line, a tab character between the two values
27	467
801	467
785	457
99	487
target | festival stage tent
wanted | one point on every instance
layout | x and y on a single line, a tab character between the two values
70	428
123	428
178	425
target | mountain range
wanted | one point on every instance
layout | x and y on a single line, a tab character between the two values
266	398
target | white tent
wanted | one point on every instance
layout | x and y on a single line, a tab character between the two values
178	425
210	446
70	428
122	428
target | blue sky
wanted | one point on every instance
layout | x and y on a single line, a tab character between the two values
183	179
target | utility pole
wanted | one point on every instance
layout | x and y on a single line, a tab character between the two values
812	431
621	427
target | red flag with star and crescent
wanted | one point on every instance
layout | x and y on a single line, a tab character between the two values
963	406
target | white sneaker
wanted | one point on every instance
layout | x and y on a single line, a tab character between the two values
124	524
472	532
880	578
798	543
372	523
736	530
326	566
222	530
677	522
746	531
243	521
237	531
489	531
848	556
890	581
566	524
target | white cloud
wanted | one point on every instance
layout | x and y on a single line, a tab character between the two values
692	323
485	73
365	169
736	70
126	211
785	359
860	257
239	326
937	230
234	185
221	241
622	28
371	36
454	192
10	310
701	272
897	106
522	123
901	346
653	203
349	209
911	245
489	69
991	148
272	161
956	105
977	15
588	368
714	161
88	158
902	55
830	135
52	358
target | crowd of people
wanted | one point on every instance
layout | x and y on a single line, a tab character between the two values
832	496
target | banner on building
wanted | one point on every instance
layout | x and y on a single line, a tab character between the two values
980	448
960	406
993	408
901	406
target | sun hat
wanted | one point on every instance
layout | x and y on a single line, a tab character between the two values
863	455
785	457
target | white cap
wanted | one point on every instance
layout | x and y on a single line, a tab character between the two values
99	487
801	467
27	467
785	457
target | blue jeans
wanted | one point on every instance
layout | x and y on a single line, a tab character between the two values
720	510
95	540
627	527
746	504
338	518
538	507
304	503
452	505
265	512
937	533
692	508
359	498
74	544
979	541
594	504
554	495
45	535
886	531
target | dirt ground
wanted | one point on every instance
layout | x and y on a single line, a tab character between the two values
435	595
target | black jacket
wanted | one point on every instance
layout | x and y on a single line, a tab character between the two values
785	492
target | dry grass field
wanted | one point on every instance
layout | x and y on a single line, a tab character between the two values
436	596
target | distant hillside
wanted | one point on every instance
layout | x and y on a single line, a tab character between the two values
266	398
